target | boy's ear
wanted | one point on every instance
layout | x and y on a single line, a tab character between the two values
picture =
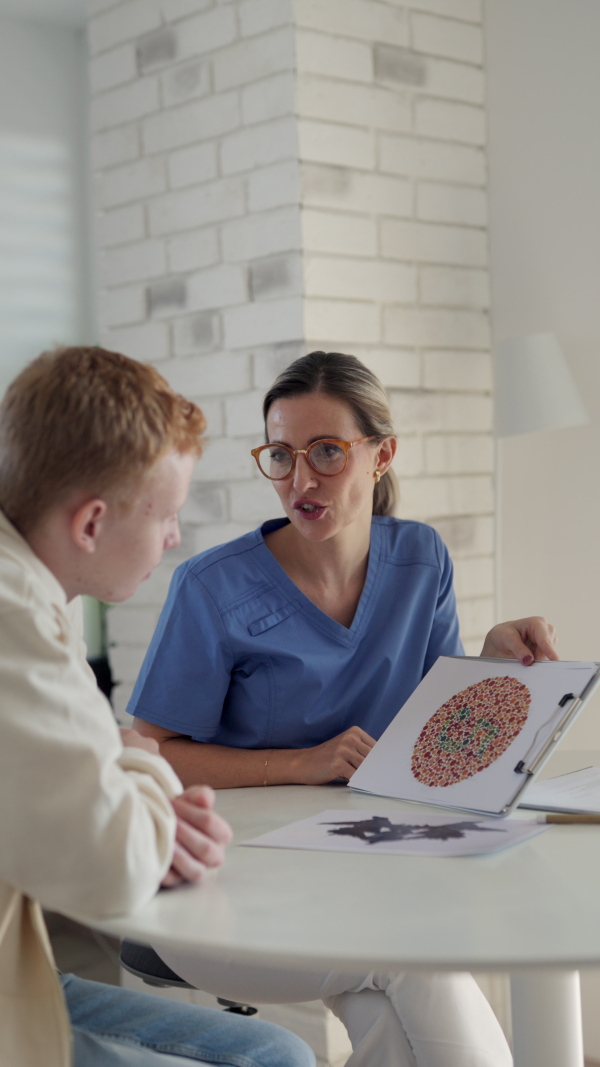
86	524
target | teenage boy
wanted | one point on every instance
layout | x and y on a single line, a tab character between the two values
96	456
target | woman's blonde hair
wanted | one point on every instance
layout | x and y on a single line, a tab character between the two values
345	378
87	419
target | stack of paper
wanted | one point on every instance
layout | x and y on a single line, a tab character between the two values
576	792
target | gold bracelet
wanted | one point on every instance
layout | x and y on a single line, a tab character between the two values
265	770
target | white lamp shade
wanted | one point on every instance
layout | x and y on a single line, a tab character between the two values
534	389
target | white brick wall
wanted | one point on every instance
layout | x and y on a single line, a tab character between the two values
278	175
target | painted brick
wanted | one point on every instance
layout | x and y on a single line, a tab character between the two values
123	23
344	146
398	65
445	37
427	243
207	32
438	202
132	625
421	412
220	286
467	535
206	503
243	415
259	146
271	187
185	82
425	498
431	159
457	81
261	234
276	276
435	328
126	662
193	165
467	10
342	322
360	105
270	360
474	577
408	462
180	126
328	231
132	263
120	226
333	56
112	68
254	58
208	375
192	251
259	16
363	19
229	459
197	333
115	146
454	286
132	182
156	48
268	322
464	371
206	537
459	454
123	105
94	7
254	502
173	10
476	617
166	296
340	188
399	369
123	306
360	279
269	99
212	409
189	208
450	121
148	342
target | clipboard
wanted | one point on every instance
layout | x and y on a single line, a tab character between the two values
476	731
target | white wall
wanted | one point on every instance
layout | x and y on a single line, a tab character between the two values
43	173
544	157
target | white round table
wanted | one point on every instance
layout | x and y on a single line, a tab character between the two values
531	910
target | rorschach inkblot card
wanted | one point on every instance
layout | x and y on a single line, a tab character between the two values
401	833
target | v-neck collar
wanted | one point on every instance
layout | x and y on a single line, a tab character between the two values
275	571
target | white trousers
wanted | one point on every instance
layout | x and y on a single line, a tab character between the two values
410	1019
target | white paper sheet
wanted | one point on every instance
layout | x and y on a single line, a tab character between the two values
577	792
387	769
399	833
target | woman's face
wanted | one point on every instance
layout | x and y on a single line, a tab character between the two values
320	507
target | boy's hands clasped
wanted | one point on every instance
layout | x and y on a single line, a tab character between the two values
201	836
201	839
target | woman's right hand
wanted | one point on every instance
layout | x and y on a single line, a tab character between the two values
337	758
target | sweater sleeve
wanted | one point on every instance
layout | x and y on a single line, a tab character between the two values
87	826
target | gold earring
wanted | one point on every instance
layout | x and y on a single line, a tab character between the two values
377	476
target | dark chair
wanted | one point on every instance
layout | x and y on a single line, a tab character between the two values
146	964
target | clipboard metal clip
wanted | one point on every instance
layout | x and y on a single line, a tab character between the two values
574	702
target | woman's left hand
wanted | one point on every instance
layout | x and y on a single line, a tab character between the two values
522	639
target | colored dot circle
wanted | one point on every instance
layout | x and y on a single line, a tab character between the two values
470	731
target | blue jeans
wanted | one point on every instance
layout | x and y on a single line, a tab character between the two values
115	1027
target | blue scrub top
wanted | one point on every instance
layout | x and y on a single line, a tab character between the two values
242	657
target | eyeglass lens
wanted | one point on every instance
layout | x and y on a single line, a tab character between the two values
326	457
